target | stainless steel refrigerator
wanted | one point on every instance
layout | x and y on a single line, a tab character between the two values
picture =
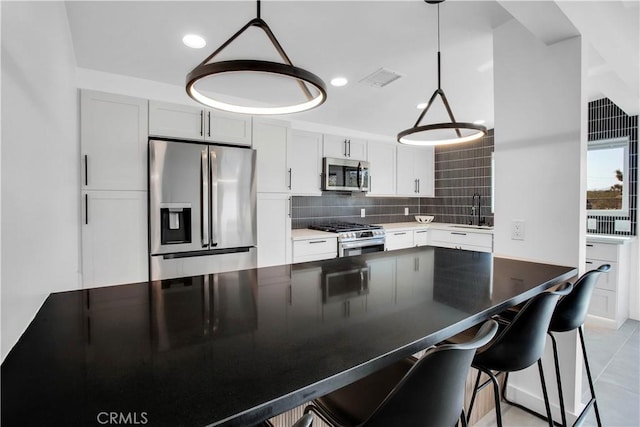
202	208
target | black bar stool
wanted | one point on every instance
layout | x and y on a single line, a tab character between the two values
569	314
305	421
518	345
426	391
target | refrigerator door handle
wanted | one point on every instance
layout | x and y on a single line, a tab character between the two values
204	197
213	195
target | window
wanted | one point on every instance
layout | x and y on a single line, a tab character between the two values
607	177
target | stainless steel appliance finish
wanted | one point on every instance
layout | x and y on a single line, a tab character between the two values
355	239
202	202
345	175
341	284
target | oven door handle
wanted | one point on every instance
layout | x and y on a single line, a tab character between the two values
362	243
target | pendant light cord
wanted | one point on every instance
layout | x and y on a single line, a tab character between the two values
439	87
258	9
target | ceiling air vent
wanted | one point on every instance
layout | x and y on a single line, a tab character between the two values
381	78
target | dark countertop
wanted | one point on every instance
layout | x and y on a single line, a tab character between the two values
235	348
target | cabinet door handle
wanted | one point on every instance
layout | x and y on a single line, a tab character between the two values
290	208
317	241
290	178
345	147
588	262
399	234
86	209
421	231
458	233
201	123
418	185
589	245
209	125
86	170
349	142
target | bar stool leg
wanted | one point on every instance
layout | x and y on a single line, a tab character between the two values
558	379
473	396
544	393
586	365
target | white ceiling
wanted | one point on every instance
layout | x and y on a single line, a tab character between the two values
354	39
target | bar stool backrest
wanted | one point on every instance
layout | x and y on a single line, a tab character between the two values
432	392
572	309
521	343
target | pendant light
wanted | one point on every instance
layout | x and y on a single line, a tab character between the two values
440	133
305	79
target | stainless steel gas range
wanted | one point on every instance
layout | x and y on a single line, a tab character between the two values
355	239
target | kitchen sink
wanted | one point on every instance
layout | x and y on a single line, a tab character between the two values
476	227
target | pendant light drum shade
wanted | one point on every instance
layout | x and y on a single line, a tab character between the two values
311	86
442	133
302	77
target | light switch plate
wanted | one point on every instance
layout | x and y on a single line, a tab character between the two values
517	229
592	224
406	211
362	213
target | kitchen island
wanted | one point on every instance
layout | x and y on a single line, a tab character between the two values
239	347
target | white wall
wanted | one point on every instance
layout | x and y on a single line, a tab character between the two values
40	152
540	162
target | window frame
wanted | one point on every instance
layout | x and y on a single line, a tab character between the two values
602	144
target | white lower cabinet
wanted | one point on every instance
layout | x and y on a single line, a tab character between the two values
274	229
479	242
114	237
315	249
420	238
609	304
398	239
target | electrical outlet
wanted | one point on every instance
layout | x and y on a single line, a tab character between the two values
517	229
406	211
623	225
592	224
362	213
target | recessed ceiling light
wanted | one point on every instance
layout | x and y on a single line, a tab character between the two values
194	41
478	122
421	106
339	81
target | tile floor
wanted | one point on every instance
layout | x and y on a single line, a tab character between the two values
614	357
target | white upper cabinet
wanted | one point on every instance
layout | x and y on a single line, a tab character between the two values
344	147
270	143
382	168
287	161
304	162
200	124
113	139
415	171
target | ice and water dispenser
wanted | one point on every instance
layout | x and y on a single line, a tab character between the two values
175	223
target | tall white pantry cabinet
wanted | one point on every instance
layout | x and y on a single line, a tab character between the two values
113	148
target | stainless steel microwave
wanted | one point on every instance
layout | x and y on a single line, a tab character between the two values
345	175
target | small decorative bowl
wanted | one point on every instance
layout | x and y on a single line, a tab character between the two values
423	219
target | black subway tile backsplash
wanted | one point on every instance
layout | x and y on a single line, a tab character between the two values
460	171
606	121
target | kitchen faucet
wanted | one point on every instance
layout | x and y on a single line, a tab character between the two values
475	209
